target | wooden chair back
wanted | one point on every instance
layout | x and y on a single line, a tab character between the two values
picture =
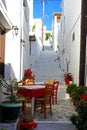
55	91
47	103
47	93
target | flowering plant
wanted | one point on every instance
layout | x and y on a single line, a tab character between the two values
28	74
84	97
68	76
27	122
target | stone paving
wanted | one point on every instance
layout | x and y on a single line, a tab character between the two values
60	120
61	111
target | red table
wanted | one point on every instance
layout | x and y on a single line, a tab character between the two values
32	91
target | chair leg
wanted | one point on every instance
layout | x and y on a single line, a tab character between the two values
50	109
56	98
45	114
53	99
24	107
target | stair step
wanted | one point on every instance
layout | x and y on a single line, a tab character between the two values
55	126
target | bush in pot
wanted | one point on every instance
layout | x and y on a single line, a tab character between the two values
10	106
70	88
26	122
77	92
80	120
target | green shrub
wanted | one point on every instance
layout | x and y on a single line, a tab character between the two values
77	93
80	120
70	88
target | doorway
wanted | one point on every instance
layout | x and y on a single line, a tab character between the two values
2	52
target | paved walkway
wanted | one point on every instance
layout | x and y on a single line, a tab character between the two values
48	68
60	120
61	111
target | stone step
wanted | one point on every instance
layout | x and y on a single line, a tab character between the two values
47	67
55	126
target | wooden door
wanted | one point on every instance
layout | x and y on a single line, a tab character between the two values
2	52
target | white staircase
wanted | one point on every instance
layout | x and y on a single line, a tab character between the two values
46	66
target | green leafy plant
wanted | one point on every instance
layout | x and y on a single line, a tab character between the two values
10	88
34	27
3	128
80	120
77	93
47	36
26	122
70	88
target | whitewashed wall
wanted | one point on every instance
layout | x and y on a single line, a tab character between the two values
56	28
17	47
36	46
12	50
70	25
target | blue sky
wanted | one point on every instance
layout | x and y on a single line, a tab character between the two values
50	7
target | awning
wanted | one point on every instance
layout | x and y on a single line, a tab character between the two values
5	22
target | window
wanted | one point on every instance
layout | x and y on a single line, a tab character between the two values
73	36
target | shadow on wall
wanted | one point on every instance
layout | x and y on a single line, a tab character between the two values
9	72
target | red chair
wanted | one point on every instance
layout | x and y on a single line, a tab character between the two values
45	102
55	92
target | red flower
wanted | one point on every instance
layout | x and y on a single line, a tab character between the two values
28	74
68	76
84	97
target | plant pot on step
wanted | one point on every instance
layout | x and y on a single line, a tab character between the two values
9	112
26	125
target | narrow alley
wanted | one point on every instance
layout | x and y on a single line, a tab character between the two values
46	69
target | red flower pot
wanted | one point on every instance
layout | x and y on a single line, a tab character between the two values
26	125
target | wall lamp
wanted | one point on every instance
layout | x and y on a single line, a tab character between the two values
16	29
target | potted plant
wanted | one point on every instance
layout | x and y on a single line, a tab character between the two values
80	119
10	105
68	77
28	76
77	94
70	88
26	123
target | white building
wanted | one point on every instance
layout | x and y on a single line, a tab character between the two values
36	46
56	28
14	47
73	39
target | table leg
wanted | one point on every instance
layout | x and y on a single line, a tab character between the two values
32	106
